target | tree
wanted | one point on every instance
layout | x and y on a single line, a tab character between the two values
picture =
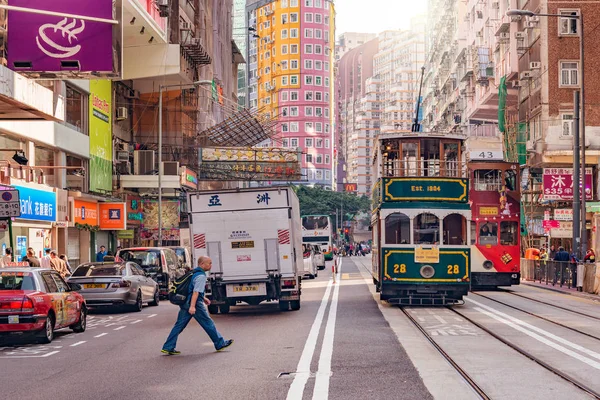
318	201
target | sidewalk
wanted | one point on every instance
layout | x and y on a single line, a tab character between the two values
564	290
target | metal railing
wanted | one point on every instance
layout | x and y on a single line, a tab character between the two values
414	167
562	273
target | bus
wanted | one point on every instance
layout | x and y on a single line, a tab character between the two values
496	226
421	250
316	229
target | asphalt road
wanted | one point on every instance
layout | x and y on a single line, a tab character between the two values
338	346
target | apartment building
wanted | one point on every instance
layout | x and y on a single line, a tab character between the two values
351	40
290	74
86	131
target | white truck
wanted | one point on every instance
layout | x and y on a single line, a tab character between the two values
254	239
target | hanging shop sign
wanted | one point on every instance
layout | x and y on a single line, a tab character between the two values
126	234
564	230
558	184
113	216
37	205
85	212
189	178
563	214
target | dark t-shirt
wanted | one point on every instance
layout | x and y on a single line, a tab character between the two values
33	261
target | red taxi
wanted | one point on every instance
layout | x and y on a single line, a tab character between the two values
39	301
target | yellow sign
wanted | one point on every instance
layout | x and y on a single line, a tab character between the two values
488	210
243	245
429	255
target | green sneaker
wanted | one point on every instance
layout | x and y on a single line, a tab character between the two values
226	345
170	352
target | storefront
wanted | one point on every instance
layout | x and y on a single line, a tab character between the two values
112	219
82	246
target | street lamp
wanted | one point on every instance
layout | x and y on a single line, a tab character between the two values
579	233
160	169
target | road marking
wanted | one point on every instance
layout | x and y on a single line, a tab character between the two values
78	343
136	321
442	320
123	317
539	330
296	391
100	335
45	355
151	315
321	390
119	328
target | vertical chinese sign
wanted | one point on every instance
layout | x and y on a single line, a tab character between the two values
100	136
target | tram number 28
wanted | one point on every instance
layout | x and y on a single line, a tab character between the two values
452	269
399	268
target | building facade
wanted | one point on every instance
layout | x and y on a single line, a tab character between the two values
351	40
290	78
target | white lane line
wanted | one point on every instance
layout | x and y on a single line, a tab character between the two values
421	319
119	328
136	321
442	320
121	318
321	390
296	391
78	343
100	335
539	330
539	338
45	355
151	315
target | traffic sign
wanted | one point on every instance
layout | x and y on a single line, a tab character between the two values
10	206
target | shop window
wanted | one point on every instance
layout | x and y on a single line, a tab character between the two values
488	233
509	233
455	232
397	229
427	229
76	109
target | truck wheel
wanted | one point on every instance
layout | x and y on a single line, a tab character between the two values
295	305
213	309
224	308
284	305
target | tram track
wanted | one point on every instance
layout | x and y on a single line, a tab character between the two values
539	316
480	392
550	304
530	356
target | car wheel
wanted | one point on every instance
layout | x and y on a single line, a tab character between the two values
284	305
82	323
156	299
224	308
213	309
47	334
295	304
137	307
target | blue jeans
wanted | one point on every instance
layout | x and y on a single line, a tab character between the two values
201	315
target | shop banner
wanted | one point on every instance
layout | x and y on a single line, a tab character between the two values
100	117
113	216
37	205
558	184
46	43
85	212
62	208
189	178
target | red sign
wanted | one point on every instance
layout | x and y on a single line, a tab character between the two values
85	212
350	187
113	216
558	184
550	224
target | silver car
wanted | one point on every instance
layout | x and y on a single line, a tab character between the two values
115	284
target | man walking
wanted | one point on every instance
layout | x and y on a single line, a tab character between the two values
101	254
45	261
31	258
58	265
195	308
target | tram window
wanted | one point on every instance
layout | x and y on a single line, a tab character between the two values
509	233
510	179
427	229
473	232
488	233
455	232
488	180
397	229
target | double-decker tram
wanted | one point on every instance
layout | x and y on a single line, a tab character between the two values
496	226
421	219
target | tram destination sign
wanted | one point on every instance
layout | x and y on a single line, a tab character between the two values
426	189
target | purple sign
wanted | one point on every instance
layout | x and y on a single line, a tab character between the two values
45	43
558	184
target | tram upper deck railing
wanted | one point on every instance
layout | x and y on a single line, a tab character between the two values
424	168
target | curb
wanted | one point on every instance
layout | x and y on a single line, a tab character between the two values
577	294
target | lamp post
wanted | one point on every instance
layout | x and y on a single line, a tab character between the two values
579	232
160	169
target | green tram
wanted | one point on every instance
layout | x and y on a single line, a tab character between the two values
421	219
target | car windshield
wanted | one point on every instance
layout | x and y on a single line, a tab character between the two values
144	258
180	253
17	281
100	270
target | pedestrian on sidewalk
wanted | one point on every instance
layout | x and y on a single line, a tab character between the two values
195	308
45	261
31	258
7	258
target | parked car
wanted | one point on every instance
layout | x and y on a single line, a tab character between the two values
310	263
161	263
319	256
116	284
38	301
184	256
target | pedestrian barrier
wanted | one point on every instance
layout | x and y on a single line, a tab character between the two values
551	272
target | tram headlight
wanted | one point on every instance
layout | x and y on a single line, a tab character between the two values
427	271
487	264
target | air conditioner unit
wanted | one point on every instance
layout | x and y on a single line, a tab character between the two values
535	65
505	36
525	75
170	168
122	156
520	35
143	162
122	113
132	94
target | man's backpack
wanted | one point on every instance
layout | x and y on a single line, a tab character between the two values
180	290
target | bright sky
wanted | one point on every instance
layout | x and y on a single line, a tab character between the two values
374	16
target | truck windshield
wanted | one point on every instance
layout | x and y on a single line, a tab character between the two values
147	259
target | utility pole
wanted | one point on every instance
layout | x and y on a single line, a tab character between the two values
576	180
